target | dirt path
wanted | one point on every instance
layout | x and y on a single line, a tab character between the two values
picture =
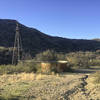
63	87
56	88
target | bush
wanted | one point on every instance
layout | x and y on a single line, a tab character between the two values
28	66
97	77
80	59
50	64
21	67
5	55
95	62
49	55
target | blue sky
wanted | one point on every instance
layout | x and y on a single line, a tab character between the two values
78	19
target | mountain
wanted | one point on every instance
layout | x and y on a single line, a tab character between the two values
34	41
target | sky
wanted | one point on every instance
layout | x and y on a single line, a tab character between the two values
76	19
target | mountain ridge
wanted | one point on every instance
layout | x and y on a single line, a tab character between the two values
34	41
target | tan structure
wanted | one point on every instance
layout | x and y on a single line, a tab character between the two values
58	66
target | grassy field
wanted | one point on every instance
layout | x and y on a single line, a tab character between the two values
13	86
67	86
32	86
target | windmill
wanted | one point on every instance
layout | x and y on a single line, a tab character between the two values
17	49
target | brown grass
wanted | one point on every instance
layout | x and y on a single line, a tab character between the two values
10	78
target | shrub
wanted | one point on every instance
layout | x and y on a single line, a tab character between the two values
95	62
21	67
97	77
80	59
5	55
49	55
28	66
49	60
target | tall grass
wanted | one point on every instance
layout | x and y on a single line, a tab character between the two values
97	77
21	67
12	78
13	86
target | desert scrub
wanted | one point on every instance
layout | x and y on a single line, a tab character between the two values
96	77
14	90
12	78
10	69
49	55
17	85
51	61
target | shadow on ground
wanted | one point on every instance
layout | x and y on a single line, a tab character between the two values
87	71
13	98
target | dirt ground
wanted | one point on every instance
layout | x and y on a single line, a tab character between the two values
68	86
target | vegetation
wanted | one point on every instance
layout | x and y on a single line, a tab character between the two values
17	85
80	59
49	55
5	55
34	41
75	60
50	62
21	67
38	46
30	65
96	78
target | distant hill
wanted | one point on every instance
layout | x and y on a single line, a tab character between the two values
96	39
34	41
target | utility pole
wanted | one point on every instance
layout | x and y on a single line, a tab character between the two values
16	57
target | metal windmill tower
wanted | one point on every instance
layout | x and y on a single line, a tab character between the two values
17	49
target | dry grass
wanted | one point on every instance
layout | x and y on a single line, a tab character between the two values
93	86
18	84
31	86
20	77
95	78
12	86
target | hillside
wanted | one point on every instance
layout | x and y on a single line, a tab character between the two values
34	41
